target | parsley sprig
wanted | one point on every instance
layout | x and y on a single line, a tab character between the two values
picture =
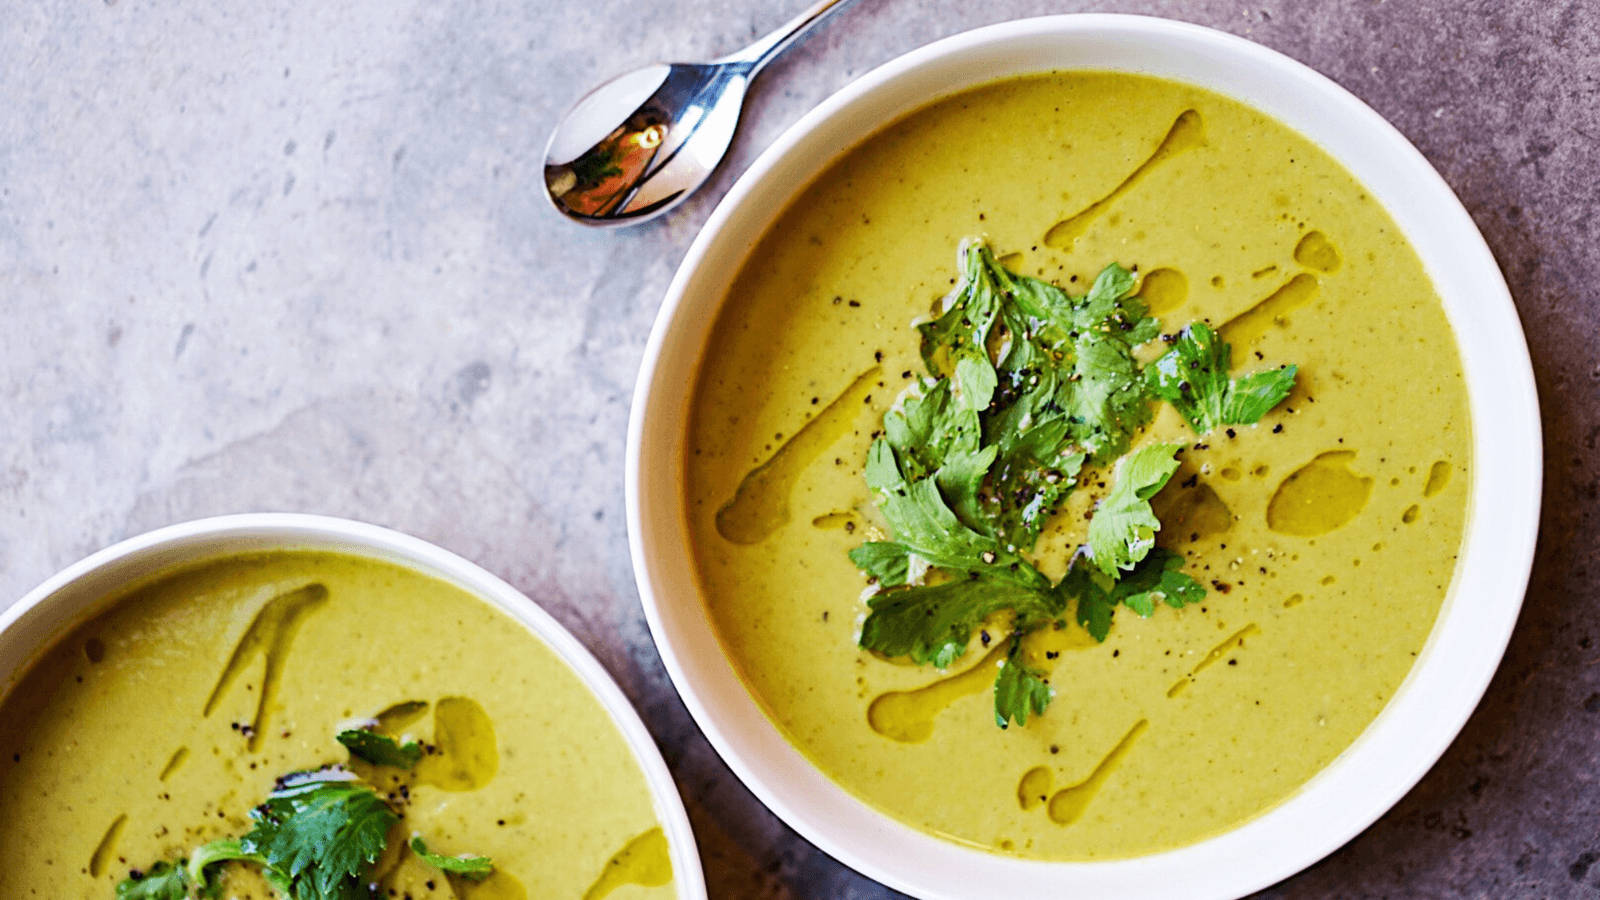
1027	386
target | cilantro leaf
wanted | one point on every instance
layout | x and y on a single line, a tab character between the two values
1018	689
1089	343
162	881
1109	397
937	433
935	624
1123	528
1154	578
1093	604
1157	578
225	850
886	561
1050	378
1193	376
380	749
475	868
962	327
321	830
925	525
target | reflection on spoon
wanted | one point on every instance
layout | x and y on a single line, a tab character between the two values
641	143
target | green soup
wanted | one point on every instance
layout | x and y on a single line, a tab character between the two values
1326	541
157	725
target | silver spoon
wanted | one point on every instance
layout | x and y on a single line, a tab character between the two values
641	143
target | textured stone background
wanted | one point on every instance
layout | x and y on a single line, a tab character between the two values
280	256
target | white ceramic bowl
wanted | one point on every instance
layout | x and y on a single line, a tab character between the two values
1474	623
29	626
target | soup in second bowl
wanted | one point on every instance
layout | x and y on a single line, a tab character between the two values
312	724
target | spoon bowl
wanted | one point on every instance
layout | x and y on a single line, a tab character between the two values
641	143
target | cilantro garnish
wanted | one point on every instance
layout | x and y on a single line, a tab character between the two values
1193	376
321	829
317	837
1049	379
1026	386
1156	577
1018	689
162	881
933	625
475	868
380	749
226	850
1124	527
926	527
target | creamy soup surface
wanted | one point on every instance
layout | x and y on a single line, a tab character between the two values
142	734
1326	535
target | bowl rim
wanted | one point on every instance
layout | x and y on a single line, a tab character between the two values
1498	540
197	540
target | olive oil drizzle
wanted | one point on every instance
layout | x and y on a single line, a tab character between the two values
908	716
1187	131
645	861
270	633
1069	803
1249	326
107	846
760	505
1228	645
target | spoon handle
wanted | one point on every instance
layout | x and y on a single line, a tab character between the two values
755	57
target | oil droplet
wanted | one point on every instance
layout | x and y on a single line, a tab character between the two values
1216	654
1164	290
1012	261
1293	601
761	503
1193	512
1315	251
94	649
1319	496
645	861
1260	471
1034	788
834	520
1248	326
270	633
107	846
1411	513
1187	131
1327	580
468	755
400	715
907	716
173	762
1069	803
1216	281
498	886
1231	473
1438	477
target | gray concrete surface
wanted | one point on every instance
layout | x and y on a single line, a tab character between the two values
280	256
